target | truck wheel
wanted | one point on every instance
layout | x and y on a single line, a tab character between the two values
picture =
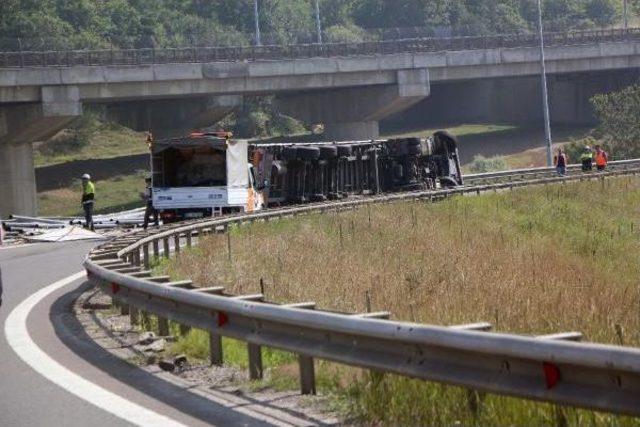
344	150
328	152
308	153
413	150
290	153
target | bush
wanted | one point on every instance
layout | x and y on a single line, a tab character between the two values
482	164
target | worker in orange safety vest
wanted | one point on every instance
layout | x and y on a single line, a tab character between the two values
601	158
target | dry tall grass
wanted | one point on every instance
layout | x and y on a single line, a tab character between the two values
532	261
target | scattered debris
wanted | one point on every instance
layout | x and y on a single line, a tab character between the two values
147	338
24	229
166	365
94	305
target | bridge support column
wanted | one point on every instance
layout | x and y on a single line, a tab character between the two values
354	113
17	180
20	125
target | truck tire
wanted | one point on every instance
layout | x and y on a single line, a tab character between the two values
308	153
414	150
344	150
328	152
290	153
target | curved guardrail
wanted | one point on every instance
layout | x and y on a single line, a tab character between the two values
275	52
546	368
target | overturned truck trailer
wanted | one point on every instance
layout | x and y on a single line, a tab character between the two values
209	173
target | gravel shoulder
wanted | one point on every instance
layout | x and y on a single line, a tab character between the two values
225	384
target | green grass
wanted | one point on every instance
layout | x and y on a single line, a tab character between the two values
458	130
112	195
532	261
96	140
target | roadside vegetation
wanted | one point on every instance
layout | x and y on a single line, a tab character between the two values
532	261
87	138
121	192
81	24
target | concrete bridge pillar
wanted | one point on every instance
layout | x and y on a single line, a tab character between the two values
20	126
354	113
17	180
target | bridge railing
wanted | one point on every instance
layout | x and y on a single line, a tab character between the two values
277	52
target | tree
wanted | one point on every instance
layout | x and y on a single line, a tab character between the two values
618	114
602	12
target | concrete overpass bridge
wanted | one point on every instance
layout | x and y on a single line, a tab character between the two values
348	87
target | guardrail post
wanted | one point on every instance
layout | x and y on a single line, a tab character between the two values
184	329
188	234
156	249
165	247
136	257
176	243
307	375
255	361
145	320
145	253
215	349
134	317
163	326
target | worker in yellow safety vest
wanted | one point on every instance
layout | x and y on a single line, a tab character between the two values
601	158
586	158
88	199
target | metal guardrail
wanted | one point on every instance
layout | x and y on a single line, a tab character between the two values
276	52
529	172
546	368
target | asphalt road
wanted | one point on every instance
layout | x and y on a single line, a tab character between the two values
27	398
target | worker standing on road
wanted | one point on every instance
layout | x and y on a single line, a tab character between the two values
586	158
88	197
148	197
560	161
601	158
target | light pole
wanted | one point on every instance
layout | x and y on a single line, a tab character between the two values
545	94
318	26
257	20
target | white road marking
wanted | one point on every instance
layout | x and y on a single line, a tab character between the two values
18	337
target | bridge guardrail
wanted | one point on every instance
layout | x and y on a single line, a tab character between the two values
283	52
601	377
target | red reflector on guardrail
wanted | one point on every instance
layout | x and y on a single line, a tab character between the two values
551	374
223	319
115	288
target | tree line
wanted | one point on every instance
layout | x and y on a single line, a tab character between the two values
164	23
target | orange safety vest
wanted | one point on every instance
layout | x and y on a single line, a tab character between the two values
601	159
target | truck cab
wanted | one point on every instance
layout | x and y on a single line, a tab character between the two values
201	175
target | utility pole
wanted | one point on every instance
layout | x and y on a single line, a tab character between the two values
318	26
626	15
257	20
545	93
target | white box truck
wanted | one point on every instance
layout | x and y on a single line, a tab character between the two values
202	174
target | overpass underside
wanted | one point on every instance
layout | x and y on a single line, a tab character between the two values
515	101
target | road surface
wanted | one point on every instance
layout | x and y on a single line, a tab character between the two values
52	373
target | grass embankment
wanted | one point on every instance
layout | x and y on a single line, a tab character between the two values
534	261
116	194
92	139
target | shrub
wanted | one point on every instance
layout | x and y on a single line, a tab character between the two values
483	164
